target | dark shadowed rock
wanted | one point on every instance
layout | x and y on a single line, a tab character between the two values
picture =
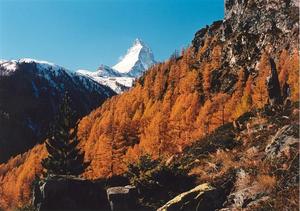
66	193
116	180
122	198
274	86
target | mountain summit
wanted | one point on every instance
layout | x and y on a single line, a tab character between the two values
137	59
120	77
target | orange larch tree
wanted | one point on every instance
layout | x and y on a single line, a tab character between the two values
246	100
260	92
293	77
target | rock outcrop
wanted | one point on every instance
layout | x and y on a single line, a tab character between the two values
122	198
245	195
273	85
249	28
203	197
282	141
65	193
72	193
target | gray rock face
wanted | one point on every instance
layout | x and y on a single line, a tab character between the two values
249	27
246	193
65	193
122	198
282	141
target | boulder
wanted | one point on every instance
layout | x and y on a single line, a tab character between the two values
70	193
247	193
122	198
116	180
203	197
282	141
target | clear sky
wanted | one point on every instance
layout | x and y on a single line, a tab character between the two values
86	33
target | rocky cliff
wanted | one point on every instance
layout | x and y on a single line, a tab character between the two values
249	28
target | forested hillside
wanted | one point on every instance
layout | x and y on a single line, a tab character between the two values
219	77
170	107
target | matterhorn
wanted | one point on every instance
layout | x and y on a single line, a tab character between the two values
138	59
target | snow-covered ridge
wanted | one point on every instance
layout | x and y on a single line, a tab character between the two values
102	71
108	77
120	77
51	72
8	67
43	64
116	83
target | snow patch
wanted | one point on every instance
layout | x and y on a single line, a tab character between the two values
7	68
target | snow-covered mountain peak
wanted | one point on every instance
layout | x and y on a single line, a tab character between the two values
137	60
120	77
139	42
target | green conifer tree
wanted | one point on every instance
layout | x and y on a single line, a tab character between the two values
64	157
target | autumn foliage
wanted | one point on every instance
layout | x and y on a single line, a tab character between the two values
169	108
17	175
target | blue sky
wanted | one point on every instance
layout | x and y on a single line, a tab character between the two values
86	33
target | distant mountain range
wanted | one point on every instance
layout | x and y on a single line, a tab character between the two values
120	77
30	92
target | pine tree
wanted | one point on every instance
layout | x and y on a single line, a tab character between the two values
207	80
64	157
221	113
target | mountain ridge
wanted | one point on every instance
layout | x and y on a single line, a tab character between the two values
30	91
